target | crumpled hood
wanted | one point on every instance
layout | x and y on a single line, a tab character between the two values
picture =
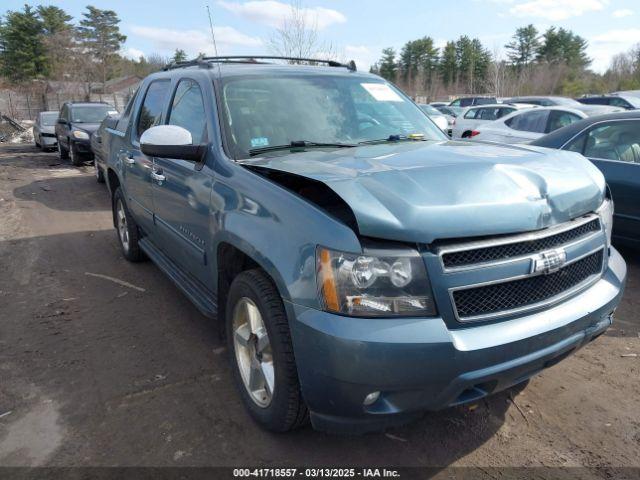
424	191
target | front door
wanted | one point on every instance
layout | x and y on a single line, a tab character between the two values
182	190
136	166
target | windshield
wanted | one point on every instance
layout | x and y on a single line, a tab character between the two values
90	114
49	119
268	111
635	101
566	101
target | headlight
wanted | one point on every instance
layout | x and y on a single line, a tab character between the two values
393	284
606	217
80	135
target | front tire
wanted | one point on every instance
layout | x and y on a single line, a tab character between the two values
262	354
76	159
128	233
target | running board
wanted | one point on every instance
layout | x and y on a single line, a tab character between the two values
203	300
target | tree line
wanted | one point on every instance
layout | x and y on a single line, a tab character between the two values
532	62
44	43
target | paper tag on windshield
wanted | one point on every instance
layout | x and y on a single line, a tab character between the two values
381	92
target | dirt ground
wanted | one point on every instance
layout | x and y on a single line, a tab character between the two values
106	363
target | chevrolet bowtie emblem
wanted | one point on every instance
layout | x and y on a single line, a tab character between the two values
549	261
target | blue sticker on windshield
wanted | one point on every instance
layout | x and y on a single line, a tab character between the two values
260	142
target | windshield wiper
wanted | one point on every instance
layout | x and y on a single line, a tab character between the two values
396	138
298	144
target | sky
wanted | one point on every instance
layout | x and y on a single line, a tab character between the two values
360	29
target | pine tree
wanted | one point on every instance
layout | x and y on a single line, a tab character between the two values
54	20
449	64
179	55
100	35
524	46
388	65
22	53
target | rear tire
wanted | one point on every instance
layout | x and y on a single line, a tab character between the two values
63	153
261	352
127	229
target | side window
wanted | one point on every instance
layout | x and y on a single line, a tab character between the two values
466	102
489	114
455	103
124	118
151	109
576	145
505	111
619	102
615	141
535	121
472	113
559	119
63	113
187	110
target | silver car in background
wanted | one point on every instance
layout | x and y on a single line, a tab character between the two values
464	126
44	134
436	116
523	126
553	101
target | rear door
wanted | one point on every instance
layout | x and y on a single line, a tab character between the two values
614	147
136	166
182	188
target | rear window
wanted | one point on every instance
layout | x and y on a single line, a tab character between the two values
154	101
534	121
49	119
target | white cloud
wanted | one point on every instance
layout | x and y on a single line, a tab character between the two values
363	56
623	12
195	41
556	10
132	53
604	46
273	13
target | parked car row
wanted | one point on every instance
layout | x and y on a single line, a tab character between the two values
70	130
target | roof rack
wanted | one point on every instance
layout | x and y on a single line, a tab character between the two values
207	62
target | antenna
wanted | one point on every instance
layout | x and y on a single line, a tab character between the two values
213	37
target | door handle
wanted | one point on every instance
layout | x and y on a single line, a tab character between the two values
158	176
129	160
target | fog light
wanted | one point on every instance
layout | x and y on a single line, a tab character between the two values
371	398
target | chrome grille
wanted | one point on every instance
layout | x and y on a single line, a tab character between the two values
453	258
512	295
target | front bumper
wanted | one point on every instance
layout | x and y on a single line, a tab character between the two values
48	141
419	364
82	146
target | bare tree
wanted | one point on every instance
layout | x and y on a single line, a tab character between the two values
298	36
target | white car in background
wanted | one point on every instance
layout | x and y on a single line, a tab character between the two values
523	126
464	126
436	116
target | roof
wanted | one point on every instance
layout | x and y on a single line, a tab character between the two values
85	104
233	69
559	137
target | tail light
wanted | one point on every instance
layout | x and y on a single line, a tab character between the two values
474	133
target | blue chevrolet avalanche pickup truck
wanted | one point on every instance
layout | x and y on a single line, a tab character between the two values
366	268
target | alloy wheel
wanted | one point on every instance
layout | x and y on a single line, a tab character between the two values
123	230
253	352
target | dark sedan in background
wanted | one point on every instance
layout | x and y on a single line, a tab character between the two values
76	122
612	143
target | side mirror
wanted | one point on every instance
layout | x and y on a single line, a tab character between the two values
61	121
171	141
